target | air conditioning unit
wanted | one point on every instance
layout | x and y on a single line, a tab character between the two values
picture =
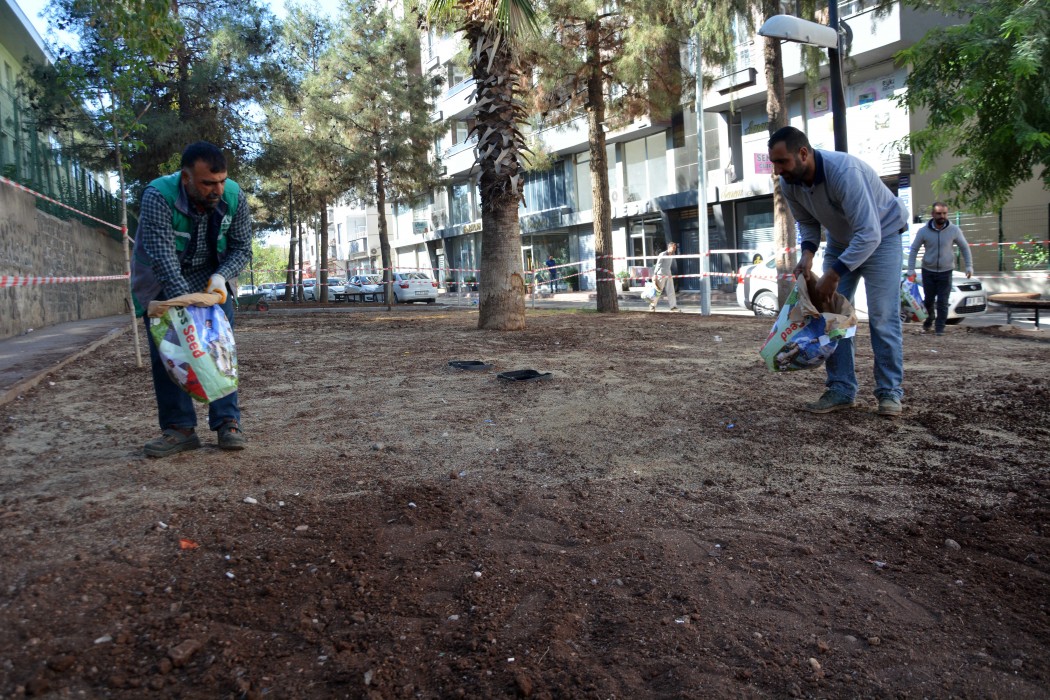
374	251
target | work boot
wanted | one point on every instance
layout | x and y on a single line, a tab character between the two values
652	307
889	406
172	441
927	325
829	401
231	437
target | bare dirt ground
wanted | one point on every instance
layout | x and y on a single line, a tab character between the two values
657	520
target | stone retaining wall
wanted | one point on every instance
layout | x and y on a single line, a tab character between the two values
38	244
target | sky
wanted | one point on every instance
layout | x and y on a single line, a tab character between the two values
33	8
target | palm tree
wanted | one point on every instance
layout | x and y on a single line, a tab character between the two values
491	28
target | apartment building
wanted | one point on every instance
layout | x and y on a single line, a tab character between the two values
653	166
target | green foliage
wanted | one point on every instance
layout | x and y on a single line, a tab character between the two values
1033	256
268	263
986	86
99	90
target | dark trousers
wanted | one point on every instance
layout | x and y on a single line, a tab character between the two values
175	408
936	286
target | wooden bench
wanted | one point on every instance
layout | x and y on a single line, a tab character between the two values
1020	300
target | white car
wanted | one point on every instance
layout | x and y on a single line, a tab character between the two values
414	286
756	290
312	290
246	289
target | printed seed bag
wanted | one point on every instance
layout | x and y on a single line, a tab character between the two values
911	301
196	346
803	337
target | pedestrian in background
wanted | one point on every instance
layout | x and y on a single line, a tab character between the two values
662	277
864	221
938	239
194	234
552	272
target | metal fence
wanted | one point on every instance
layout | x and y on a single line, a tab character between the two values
35	159
1012	224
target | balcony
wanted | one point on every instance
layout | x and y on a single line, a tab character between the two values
456	101
459	159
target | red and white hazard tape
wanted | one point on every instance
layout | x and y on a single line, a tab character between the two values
32	281
22	187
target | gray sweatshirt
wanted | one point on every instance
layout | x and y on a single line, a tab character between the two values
850	201
939	255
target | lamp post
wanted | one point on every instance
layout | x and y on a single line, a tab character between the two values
791	28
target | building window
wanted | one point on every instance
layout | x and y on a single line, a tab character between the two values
546	190
461	209
584	191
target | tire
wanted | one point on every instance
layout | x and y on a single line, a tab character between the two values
262	306
954	321
431	301
765	305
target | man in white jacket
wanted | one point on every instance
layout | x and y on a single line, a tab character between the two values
662	277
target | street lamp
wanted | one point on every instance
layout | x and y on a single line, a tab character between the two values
791	28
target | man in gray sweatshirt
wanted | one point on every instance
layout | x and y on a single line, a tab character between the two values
938	238
864	220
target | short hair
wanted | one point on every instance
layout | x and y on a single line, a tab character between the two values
209	153
938	204
793	139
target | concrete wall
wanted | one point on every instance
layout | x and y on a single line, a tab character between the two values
38	244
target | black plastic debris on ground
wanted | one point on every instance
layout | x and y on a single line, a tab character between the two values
524	375
468	364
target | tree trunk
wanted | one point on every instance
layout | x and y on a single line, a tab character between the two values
603	260
289	273
501	283
322	272
384	235
776	109
299	271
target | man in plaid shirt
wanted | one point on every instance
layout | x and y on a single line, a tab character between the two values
194	234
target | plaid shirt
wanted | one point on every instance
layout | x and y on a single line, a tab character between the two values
199	263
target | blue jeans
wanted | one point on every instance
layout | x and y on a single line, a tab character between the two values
882	280
175	408
936	288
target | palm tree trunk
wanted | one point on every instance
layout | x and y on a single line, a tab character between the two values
501	283
603	262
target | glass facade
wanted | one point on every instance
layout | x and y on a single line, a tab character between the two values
548	189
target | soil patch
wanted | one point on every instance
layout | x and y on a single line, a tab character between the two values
657	519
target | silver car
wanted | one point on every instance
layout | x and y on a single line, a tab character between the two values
365	285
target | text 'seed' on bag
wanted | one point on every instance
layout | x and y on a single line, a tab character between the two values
196	345
803	336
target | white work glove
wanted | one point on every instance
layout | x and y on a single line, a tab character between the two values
217	285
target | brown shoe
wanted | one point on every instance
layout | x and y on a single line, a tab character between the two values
231	437
172	441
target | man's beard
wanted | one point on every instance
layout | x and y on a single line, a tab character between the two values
794	176
208	203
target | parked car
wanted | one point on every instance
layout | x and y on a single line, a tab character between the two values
276	292
246	289
414	286
756	291
362	284
312	291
